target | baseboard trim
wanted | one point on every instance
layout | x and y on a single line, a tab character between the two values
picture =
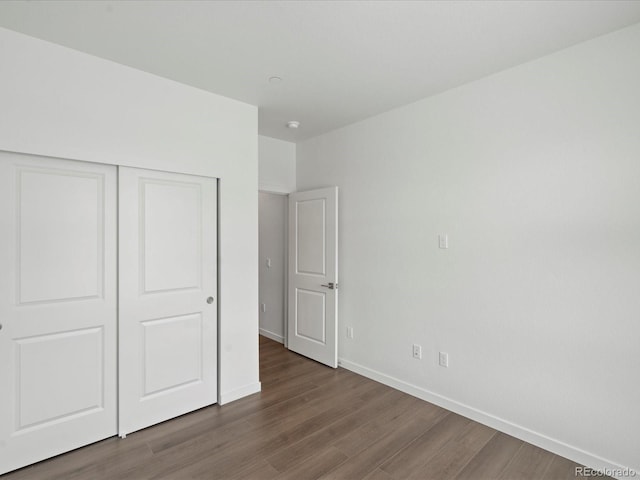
238	393
555	446
271	335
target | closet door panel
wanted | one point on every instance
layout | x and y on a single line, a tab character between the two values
57	306
168	289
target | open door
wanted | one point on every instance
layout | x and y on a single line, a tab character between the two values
313	275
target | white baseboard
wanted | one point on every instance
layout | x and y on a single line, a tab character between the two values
238	393
559	448
271	335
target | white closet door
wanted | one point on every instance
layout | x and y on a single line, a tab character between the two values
57	306
167	286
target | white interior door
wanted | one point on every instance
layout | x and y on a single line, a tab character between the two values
57	306
167	286
313	275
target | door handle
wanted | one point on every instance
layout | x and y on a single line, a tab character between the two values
330	286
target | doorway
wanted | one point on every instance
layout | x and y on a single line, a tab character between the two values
272	241
298	271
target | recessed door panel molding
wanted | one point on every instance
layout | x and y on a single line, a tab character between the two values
73	362
168	295
171	223
311	237
168	369
57	306
60	215
310	317
313	275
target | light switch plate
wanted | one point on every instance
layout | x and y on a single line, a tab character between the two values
443	359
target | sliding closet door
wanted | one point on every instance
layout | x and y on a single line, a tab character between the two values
57	306
167	285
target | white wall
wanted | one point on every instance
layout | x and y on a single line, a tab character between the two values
276	165
534	173
62	103
272	246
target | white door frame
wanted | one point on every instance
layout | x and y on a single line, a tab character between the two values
285	299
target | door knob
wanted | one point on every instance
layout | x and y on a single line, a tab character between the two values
210	300
330	286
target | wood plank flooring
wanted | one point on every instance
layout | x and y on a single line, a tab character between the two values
310	422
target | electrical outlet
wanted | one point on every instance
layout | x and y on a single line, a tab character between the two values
443	240
417	351
349	332
268	263
443	359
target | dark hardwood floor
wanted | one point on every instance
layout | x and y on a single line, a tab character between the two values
310	422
